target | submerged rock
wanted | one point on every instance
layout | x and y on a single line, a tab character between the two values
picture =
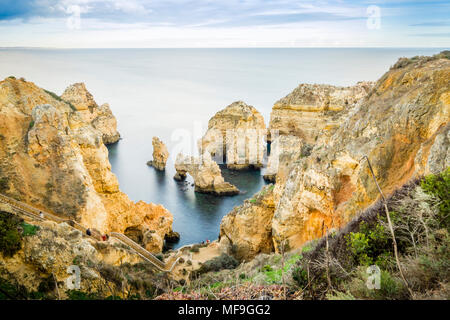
206	174
160	154
236	133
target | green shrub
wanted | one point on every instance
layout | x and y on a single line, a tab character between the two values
371	245
194	249
28	229
56	97
12	291
300	275
10	239
80	295
267	268
31	124
439	186
391	287
221	262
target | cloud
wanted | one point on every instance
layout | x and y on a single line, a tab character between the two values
432	35
431	24
220	23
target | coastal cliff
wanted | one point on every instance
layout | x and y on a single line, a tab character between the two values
53	157
401	125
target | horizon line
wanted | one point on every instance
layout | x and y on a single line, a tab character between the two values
262	47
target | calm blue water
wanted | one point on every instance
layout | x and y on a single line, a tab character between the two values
172	93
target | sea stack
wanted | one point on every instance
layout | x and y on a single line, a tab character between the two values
160	154
236	134
206	174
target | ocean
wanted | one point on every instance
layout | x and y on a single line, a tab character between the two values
172	93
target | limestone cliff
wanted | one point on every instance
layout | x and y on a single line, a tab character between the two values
248	228
49	253
54	159
236	133
160	154
206	174
313	110
100	117
402	125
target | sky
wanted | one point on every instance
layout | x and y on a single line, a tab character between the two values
223	23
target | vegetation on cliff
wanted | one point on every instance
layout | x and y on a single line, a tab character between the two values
419	211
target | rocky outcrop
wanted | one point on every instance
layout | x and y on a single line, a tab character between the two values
52	158
206	174
282	151
314	110
50	254
402	126
247	230
237	134
160	154
100	117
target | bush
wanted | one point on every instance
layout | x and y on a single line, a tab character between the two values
221	262
439	186
28	229
300	275
80	295
391	287
370	245
10	239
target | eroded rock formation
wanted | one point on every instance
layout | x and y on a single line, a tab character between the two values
247	229
100	117
206	174
47	253
160	154
52	158
236	132
314	110
402	125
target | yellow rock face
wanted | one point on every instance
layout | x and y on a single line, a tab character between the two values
100	117
160	154
311	111
395	126
401	125
53	159
236	132
248	228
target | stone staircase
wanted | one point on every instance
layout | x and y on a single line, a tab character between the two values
26	210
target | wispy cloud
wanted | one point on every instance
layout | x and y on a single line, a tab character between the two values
223	23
